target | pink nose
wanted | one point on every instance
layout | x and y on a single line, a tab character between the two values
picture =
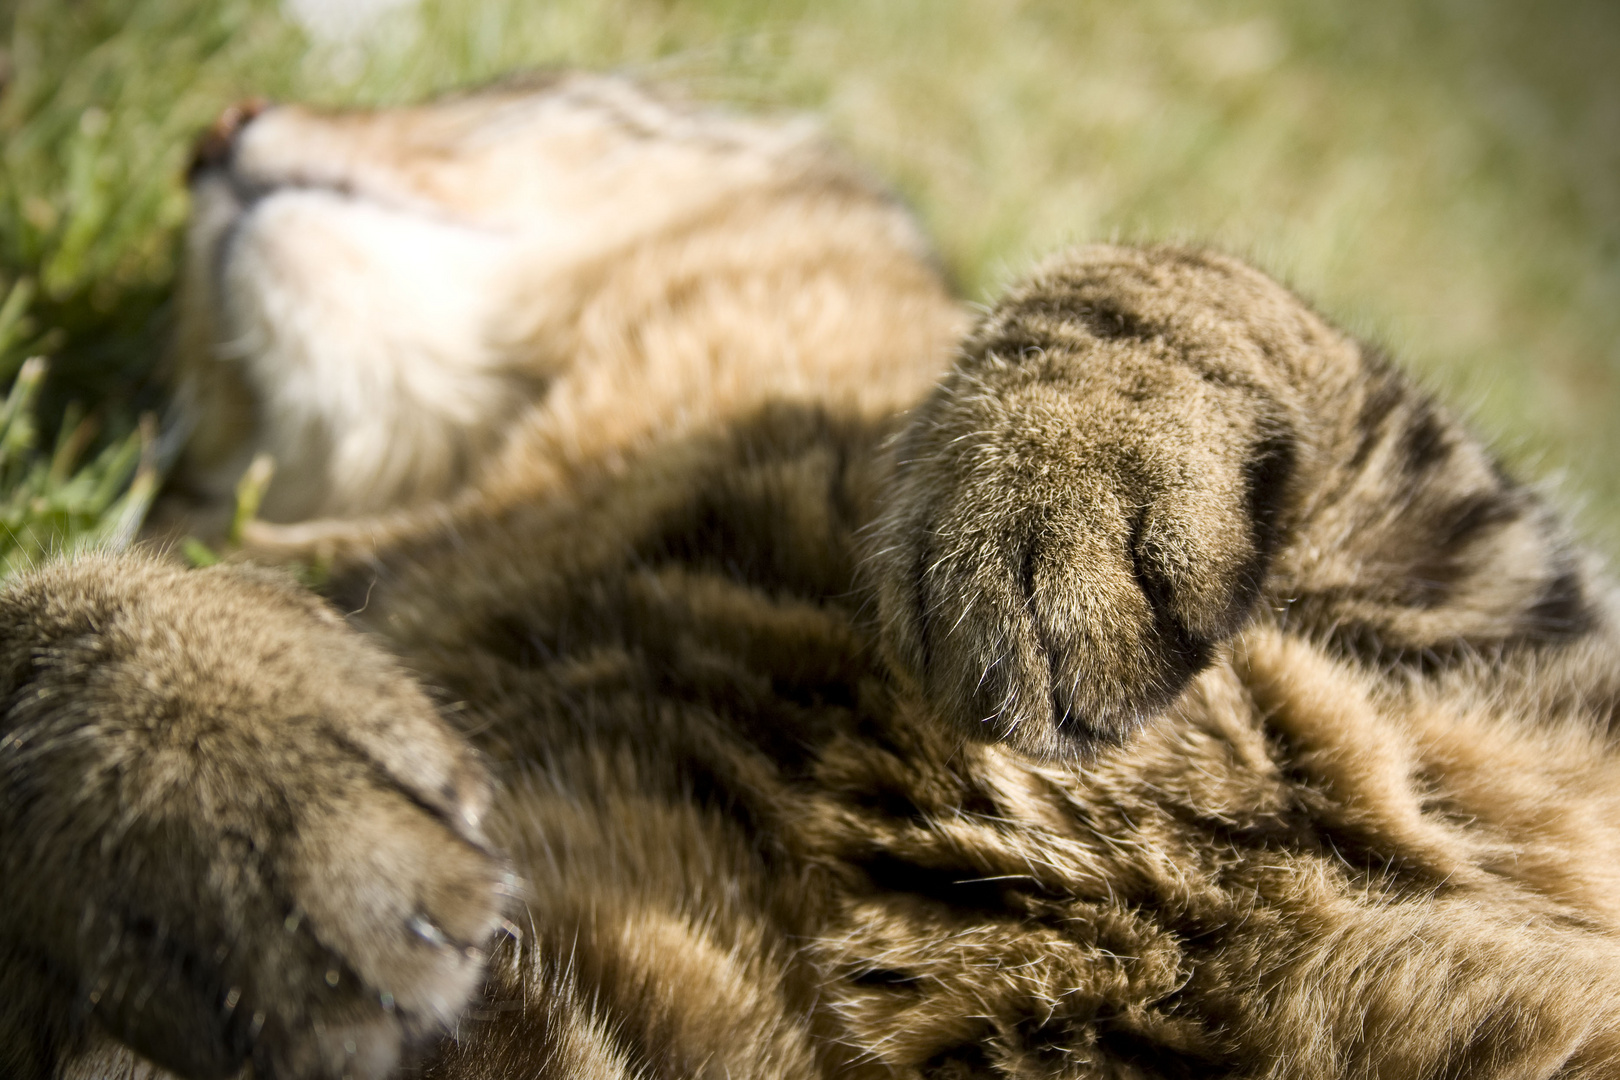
213	148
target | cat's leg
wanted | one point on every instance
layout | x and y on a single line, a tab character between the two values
1140	450
231	830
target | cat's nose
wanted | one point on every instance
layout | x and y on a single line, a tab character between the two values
213	147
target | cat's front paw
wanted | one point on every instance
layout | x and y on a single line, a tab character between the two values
241	829
1078	517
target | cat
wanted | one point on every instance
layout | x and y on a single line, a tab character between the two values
730	661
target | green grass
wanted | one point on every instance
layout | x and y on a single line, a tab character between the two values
1443	175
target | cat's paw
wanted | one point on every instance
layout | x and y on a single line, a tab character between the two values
243	829
1078	517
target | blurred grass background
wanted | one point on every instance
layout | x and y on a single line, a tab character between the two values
1440	175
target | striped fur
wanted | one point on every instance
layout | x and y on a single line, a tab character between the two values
1173	691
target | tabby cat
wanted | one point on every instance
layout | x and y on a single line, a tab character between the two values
703	686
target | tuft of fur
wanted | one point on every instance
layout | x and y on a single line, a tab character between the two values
1172	691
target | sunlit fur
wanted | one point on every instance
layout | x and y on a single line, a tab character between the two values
1165	689
387	302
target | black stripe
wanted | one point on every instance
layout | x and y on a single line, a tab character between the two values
1154	1058
1426	441
1099	318
1470	517
1445	558
1561	611
885	978
1381	400
963	888
1266	477
1108	322
964	1061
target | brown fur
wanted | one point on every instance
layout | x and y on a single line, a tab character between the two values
644	263
1173	692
